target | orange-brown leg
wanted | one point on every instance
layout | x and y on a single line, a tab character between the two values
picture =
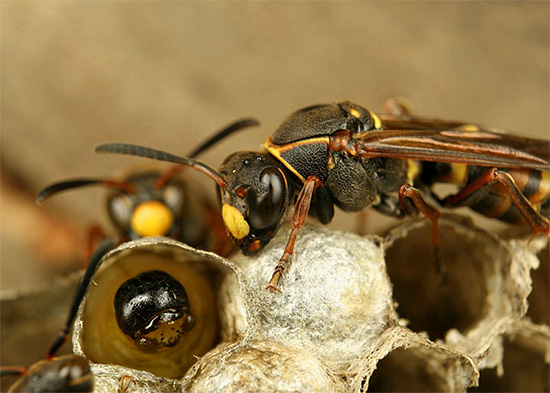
536	221
430	212
298	220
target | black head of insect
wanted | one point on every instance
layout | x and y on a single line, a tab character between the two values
255	191
255	198
153	309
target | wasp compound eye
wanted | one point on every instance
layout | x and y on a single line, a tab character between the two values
120	209
153	309
265	209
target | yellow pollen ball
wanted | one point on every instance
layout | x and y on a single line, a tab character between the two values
151	218
234	221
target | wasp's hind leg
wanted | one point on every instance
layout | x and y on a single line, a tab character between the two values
482	185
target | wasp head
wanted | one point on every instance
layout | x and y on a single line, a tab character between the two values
149	210
255	199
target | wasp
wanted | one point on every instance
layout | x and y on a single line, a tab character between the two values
345	155
67	373
153	203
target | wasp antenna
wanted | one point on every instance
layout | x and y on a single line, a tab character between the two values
159	155
62	186
9	371
223	133
76	183
218	136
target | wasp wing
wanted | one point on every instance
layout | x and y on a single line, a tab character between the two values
461	143
414	122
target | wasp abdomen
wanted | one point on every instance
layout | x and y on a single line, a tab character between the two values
534	185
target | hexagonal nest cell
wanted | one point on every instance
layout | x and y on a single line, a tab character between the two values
356	314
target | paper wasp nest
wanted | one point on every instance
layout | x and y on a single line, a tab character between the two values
343	323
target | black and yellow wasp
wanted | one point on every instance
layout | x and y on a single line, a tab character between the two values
345	155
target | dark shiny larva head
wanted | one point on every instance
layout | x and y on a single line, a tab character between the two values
255	199
67	373
153	309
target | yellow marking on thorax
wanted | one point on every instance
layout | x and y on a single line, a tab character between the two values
277	150
151	218
235	222
355	113
377	122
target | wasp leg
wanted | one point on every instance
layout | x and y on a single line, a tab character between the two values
298	220
124	383
464	197
430	212
93	264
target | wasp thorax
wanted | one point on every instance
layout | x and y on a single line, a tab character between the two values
325	119
153	309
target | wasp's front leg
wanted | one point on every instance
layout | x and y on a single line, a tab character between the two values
298	220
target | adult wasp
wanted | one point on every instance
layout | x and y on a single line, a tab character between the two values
153	203
345	155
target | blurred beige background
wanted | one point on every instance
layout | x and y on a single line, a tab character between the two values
167	74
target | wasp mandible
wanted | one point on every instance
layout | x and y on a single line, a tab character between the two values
345	155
